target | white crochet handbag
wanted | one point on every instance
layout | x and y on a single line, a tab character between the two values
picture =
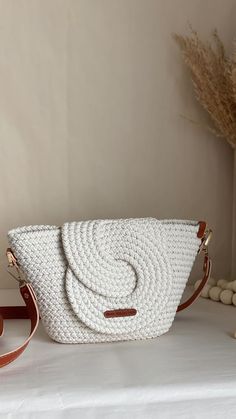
104	280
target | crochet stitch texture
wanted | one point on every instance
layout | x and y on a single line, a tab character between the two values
85	268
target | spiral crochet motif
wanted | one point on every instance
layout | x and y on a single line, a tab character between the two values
116	264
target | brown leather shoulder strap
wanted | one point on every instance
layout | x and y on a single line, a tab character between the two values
197	292
13	312
30	311
205	236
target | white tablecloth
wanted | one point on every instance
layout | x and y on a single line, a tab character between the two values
188	373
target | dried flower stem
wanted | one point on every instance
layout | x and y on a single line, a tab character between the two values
214	79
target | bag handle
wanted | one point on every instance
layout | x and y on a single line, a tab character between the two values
205	235
31	311
207	271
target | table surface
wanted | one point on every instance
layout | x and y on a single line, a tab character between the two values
190	372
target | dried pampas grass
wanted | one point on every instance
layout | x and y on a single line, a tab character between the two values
214	78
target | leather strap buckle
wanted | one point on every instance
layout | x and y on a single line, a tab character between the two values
205	241
12	263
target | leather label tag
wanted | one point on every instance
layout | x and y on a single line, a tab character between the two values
122	312
202	229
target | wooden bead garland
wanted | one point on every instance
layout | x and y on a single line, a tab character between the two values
221	290
214	293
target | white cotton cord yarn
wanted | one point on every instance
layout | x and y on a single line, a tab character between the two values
83	269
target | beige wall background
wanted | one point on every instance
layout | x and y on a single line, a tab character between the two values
91	93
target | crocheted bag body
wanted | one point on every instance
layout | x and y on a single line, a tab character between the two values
107	280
